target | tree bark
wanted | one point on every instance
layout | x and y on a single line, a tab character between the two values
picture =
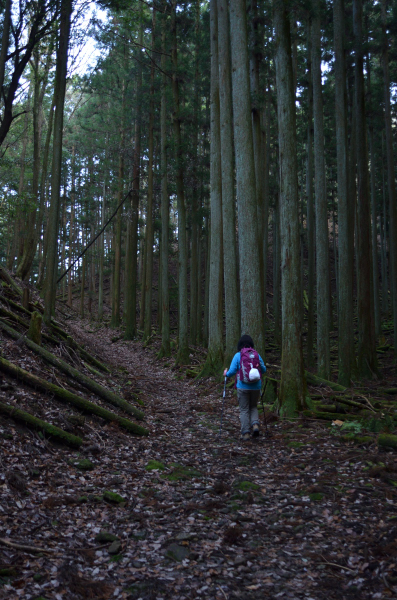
183	346
149	219
215	321
60	88
165	204
252	320
310	205
232	308
367	360
391	183
131	270
322	234
293	384
345	279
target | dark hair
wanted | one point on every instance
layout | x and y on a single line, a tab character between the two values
245	341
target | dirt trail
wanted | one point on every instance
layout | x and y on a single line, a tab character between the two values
299	514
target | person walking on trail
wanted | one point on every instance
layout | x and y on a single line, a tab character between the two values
248	366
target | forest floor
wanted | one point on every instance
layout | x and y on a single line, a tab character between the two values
300	512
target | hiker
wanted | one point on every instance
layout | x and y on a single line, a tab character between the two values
248	366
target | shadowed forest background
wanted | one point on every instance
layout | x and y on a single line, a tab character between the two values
174	175
250	153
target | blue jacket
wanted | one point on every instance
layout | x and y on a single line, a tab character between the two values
235	367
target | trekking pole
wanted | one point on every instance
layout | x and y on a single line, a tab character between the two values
223	404
263	406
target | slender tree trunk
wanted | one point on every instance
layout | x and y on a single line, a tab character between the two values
215	321
60	88
310	206
293	384
165	204
194	269
252	320
149	219
367	360
276	271
391	183
385	286
259	155
374	236
322	234
345	287
232	309
115	322
183	347
131	270
101	255
43	195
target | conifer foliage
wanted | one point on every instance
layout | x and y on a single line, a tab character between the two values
236	158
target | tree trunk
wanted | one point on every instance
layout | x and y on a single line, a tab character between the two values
149	219
215	321
115	321
60	88
131	269
195	219
259	155
232	309
367	360
391	184
322	234
165	205
293	384
183	347
374	237
43	194
345	287
310	206
252	321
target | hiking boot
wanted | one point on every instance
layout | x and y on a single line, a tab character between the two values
255	430
245	437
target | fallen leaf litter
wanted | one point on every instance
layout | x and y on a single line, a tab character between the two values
184	513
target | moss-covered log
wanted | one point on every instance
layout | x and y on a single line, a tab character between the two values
387	441
15	305
358	405
5	276
69	397
87	382
314	414
11	315
52	430
315	380
86	355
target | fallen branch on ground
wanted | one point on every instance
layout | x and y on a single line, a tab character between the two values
69	397
26	547
36	423
87	382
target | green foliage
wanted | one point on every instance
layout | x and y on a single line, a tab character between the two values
246	486
155	465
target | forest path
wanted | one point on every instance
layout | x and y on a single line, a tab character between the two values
292	515
298	514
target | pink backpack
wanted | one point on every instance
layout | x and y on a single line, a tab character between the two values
250	370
